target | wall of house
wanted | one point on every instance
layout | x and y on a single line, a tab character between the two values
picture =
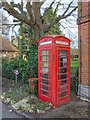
5	54
84	47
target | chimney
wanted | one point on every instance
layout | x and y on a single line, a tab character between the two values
12	39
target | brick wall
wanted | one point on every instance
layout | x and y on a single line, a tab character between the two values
89	52
84	42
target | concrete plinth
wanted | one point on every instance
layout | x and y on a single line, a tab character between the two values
84	92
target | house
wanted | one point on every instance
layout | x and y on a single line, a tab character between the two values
84	49
7	49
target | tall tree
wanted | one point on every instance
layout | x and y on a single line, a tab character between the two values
33	17
55	29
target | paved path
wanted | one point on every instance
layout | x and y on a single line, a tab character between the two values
6	112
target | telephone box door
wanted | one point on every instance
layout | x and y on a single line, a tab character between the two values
63	74
44	74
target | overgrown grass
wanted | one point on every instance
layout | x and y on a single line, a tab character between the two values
34	105
15	94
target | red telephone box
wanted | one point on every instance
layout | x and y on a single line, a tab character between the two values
54	69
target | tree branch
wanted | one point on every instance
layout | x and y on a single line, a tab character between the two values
47	9
18	6
70	12
30	11
16	14
60	17
56	9
41	3
0	5
67	8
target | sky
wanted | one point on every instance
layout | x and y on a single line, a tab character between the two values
70	28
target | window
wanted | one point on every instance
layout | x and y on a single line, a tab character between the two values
45	86
63	73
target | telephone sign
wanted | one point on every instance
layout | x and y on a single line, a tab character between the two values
16	72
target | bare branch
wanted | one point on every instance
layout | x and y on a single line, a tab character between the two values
35	20
5	18
56	9
47	9
0	5
16	14
70	12
41	3
67	8
18	6
60	17
29	10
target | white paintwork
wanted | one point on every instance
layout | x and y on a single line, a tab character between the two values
62	42
46	43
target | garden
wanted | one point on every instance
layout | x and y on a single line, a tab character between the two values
19	95
17	91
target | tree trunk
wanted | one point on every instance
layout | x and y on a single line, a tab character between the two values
39	26
20	42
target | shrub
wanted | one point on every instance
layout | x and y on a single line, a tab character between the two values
27	69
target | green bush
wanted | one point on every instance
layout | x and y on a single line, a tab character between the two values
33	61
8	68
74	75
27	69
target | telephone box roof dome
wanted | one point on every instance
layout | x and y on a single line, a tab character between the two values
54	36
54	39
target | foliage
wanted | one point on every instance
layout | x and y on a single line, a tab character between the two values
74	74
27	69
8	68
33	61
29	36
56	28
33	15
34	105
74	65
15	95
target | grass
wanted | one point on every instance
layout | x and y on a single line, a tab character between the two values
74	66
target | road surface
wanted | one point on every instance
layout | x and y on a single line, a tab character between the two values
7	112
